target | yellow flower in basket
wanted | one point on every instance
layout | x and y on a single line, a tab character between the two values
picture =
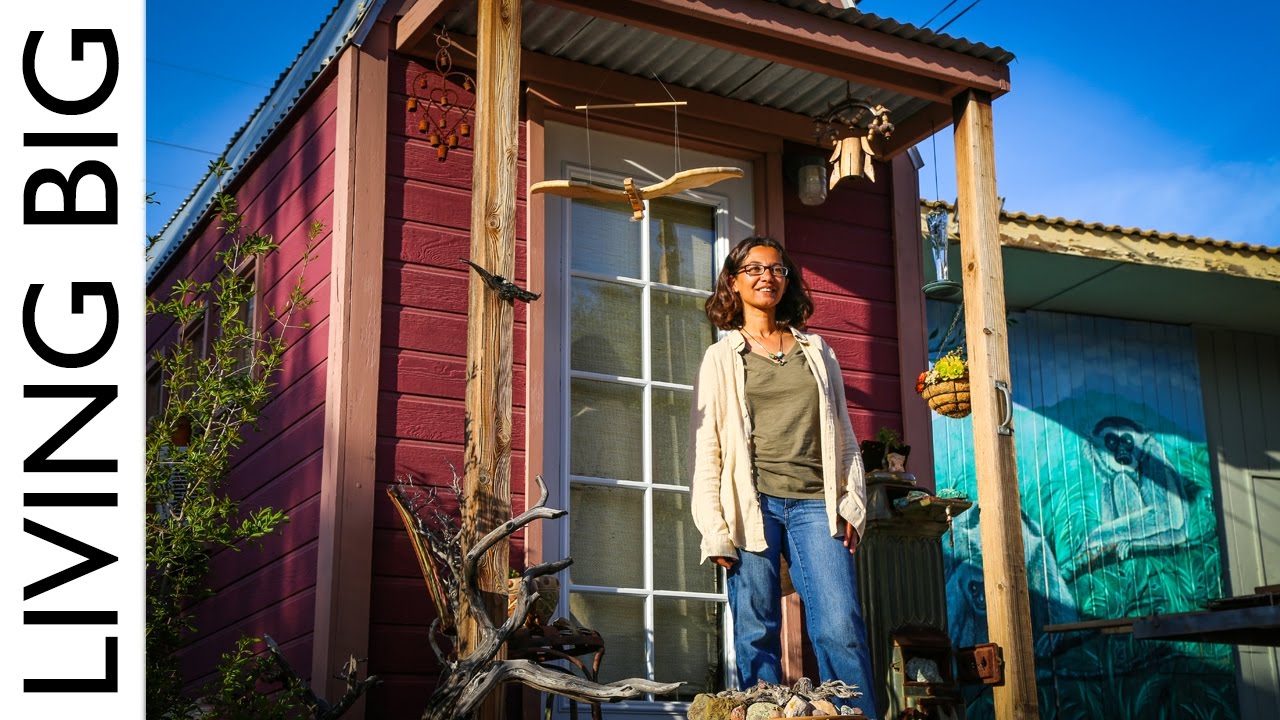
945	386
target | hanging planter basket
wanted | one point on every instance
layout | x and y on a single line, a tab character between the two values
948	397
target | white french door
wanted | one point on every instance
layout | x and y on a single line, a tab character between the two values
626	345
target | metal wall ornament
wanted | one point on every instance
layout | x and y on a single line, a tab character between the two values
444	118
851	128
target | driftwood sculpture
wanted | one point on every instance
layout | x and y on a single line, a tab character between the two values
465	681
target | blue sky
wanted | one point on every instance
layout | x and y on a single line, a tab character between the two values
1152	115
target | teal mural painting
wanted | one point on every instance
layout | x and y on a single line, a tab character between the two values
1117	516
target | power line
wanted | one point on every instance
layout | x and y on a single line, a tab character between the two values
206	73
183	188
183	147
935	15
958	15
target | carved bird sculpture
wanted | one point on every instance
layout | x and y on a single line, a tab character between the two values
685	180
506	289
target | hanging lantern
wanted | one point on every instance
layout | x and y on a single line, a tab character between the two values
813	183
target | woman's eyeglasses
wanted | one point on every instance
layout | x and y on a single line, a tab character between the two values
756	270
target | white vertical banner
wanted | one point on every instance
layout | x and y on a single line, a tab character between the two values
71	304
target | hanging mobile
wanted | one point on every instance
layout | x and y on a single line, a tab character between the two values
679	182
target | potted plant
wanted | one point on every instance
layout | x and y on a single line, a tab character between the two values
878	454
945	386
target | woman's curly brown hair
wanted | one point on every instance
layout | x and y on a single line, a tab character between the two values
724	307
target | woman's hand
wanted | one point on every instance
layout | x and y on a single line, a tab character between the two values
850	538
724	562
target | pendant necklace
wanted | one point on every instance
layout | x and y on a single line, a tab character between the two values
777	357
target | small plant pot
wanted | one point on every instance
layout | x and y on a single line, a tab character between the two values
895	459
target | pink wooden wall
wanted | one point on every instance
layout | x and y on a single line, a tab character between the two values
423	386
845	248
271	588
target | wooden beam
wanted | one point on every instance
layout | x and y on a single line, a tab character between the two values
487	458
804	40
560	84
1258	625
917	128
913	350
344	564
536	363
995	461
418	19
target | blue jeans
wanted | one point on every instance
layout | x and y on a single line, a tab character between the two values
822	572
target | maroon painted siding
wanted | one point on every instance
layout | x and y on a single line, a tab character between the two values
422	385
270	588
845	248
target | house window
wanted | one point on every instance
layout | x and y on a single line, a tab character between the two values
244	319
635	332
155	393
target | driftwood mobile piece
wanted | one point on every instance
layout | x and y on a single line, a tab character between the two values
691	179
465	681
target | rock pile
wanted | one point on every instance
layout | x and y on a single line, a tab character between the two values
763	701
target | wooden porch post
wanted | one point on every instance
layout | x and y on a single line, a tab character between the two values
487	463
1004	565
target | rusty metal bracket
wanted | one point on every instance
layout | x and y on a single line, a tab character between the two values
980	665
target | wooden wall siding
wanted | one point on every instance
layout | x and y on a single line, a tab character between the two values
1241	374
270	589
1073	376
423	383
845	248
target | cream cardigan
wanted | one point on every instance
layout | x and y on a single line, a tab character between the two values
726	508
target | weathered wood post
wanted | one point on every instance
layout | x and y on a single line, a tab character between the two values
1004	564
487	463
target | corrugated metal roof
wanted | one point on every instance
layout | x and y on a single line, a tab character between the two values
346	24
1129	232
905	31
603	43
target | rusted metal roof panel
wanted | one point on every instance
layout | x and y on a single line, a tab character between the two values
1129	233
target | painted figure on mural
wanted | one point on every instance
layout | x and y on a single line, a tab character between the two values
1143	505
776	473
1051	601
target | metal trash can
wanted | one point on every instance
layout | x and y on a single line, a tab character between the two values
902	589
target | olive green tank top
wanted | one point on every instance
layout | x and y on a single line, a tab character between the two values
787	441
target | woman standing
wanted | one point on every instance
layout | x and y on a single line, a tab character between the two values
776	471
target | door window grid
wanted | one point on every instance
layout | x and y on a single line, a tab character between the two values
582	588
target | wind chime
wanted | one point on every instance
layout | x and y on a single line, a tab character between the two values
679	182
851	128
444	117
